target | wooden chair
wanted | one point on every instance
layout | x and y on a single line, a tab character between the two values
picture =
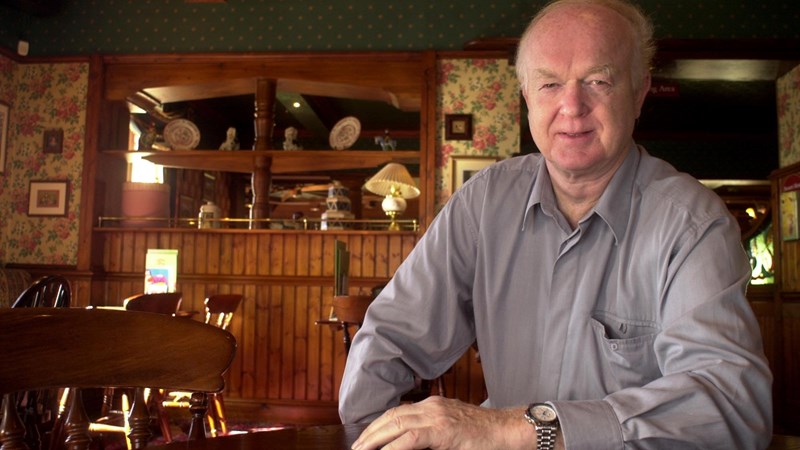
220	309
167	303
115	420
350	311
147	350
49	291
40	408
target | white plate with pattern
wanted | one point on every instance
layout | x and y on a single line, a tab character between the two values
345	133
181	134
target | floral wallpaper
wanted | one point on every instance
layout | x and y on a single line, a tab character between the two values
41	97
487	89
789	118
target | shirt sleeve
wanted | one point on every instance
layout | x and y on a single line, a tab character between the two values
715	391
421	322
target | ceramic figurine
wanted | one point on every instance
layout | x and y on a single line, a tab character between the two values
148	137
231	142
386	142
290	141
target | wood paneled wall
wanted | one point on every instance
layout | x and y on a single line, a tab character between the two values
286	277
287	366
787	305
789	367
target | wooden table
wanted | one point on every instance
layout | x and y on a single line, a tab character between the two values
332	437
329	437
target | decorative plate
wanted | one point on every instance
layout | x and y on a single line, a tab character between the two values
181	134
345	133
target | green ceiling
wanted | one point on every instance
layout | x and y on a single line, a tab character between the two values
164	26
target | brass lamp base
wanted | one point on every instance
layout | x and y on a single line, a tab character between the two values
393	225
393	205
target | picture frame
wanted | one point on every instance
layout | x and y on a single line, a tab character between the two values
48	198
187	208
53	140
790	228
4	120
458	127
209	187
463	167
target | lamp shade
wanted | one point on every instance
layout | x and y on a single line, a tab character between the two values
393	175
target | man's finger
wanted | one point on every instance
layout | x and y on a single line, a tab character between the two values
389	426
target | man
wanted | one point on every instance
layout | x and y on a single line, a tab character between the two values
604	288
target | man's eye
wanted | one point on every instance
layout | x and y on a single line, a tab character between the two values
598	82
547	86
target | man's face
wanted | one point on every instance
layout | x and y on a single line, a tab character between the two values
582	106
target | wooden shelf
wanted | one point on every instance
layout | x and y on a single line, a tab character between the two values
246	161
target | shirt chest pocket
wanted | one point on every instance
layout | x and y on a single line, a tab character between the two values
627	349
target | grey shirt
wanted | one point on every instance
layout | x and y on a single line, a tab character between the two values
635	325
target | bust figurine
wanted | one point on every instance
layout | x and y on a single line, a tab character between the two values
290	141
231	141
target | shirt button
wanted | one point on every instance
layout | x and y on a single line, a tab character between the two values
614	347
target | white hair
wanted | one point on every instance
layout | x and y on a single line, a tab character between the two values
640	26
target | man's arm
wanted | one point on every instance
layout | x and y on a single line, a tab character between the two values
421	323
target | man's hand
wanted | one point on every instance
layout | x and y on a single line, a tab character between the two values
443	423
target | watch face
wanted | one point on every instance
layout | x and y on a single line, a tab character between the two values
543	413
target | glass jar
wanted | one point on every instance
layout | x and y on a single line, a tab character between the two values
209	216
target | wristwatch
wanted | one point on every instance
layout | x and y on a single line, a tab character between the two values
545	420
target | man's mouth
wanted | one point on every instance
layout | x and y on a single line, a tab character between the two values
576	135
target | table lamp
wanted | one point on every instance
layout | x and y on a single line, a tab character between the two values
396	185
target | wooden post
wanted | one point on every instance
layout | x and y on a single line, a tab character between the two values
77	425
261	181
12	430
265	103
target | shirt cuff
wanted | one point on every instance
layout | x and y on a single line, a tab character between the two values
588	425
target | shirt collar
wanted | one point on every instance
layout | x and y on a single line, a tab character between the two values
541	193
614	205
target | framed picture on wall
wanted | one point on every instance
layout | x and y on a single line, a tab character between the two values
790	229
458	127
464	167
53	140
48	198
4	109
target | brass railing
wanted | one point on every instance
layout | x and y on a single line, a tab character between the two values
275	224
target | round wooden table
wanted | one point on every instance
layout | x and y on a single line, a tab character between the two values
329	437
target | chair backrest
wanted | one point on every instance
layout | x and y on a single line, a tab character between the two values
106	348
351	308
220	309
48	291
166	303
39	408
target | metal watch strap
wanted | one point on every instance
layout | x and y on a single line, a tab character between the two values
545	433
545	438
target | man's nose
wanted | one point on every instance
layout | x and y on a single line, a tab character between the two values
573	100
